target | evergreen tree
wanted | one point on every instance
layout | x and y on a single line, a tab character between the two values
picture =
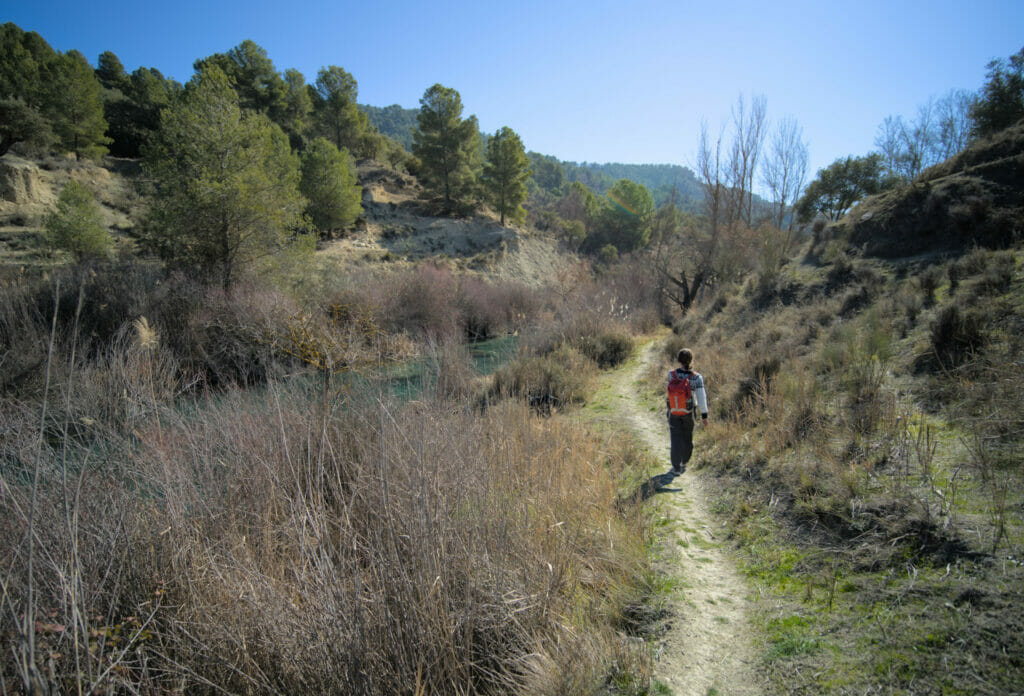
74	105
298	108
338	117
505	173
329	184
841	184
23	60
547	172
111	73
20	123
226	182
1001	102
579	203
448	146
253	76
624	218
135	115
77	225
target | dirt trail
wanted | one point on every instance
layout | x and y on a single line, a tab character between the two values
707	648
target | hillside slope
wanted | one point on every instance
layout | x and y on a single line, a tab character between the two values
394	227
973	199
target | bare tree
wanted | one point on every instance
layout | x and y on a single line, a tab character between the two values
748	140
689	255
908	147
954	122
940	130
889	141
785	169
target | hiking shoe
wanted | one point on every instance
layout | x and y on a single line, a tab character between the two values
676	470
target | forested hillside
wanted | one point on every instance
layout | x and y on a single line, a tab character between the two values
393	121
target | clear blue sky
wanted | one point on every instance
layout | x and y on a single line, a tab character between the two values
591	80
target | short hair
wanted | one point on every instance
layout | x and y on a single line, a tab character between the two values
685	357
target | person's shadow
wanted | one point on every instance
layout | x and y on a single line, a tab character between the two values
658	483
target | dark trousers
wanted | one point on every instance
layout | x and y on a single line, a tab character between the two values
680	432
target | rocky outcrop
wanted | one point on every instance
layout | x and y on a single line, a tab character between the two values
20	181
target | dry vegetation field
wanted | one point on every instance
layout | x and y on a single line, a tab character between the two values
867	449
211	492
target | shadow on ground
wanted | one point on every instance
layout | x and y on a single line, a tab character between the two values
649	488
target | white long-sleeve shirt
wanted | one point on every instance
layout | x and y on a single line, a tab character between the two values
700	395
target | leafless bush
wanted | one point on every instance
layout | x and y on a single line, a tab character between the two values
232	336
422	301
489	309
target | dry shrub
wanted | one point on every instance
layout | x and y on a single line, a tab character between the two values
431	302
606	348
929	281
863	383
558	378
422	301
605	341
904	306
254	547
24	334
630	292
234	338
491	309
451	368
956	335
90	305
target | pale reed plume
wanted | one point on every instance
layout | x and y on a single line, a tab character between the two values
145	334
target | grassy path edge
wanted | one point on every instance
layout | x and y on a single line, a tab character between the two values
707	646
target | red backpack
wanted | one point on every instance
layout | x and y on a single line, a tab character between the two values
680	394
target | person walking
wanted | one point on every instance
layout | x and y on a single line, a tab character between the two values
687	396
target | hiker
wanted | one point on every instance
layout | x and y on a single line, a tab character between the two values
686	395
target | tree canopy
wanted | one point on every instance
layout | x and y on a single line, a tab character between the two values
448	147
1001	101
624	217
505	173
20	123
841	184
329	184
338	116
226	182
74	102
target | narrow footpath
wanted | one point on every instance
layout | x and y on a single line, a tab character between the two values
707	648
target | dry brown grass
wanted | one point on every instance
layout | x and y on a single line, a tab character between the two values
251	546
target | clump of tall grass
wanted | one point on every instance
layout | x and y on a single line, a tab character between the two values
559	378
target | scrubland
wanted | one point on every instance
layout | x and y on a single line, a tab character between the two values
866	445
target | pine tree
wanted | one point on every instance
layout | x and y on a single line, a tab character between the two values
505	173
338	117
226	181
447	146
74	105
329	184
77	225
20	123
